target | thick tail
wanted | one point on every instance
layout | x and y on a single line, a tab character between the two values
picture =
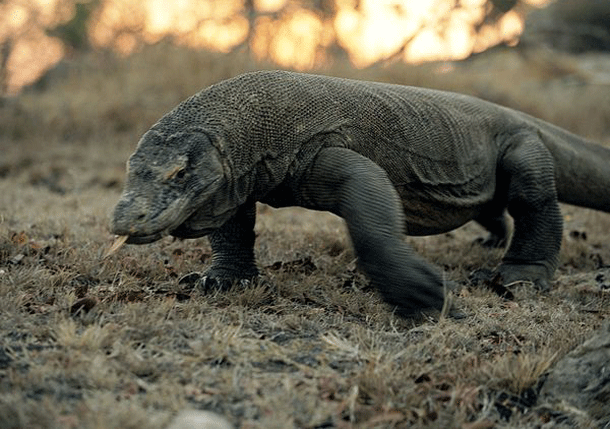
582	168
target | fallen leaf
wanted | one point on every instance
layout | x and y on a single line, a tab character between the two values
19	238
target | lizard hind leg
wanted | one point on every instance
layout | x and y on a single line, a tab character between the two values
528	169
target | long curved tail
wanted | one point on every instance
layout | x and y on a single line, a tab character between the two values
582	168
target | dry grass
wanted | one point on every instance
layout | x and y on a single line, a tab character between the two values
119	343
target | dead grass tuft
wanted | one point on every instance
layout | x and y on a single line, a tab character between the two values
518	372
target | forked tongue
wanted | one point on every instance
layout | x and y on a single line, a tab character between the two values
118	242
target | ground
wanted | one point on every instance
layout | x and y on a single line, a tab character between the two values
87	342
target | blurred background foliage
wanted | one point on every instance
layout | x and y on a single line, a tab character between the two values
36	35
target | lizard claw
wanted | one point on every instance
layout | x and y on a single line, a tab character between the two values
210	283
190	279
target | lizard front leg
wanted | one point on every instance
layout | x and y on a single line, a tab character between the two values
354	187
233	258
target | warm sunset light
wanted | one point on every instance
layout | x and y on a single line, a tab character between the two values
21	30
217	25
297	40
280	31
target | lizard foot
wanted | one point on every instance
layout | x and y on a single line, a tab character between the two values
219	279
519	273
508	276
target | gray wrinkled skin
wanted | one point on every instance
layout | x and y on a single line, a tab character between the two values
389	159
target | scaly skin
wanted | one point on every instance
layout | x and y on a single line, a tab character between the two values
389	159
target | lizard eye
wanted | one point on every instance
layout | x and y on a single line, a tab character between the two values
177	174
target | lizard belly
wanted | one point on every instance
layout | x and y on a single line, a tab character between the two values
425	216
436	222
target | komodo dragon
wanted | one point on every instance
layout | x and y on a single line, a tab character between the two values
389	159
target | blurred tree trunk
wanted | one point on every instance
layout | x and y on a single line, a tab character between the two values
5	52
74	32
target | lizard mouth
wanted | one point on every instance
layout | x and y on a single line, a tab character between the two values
145	239
154	227
183	230
151	237
191	227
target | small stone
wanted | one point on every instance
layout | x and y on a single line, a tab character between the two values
581	379
16	260
196	419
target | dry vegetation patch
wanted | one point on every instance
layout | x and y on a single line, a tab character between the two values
121	342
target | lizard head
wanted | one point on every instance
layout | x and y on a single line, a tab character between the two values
169	180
